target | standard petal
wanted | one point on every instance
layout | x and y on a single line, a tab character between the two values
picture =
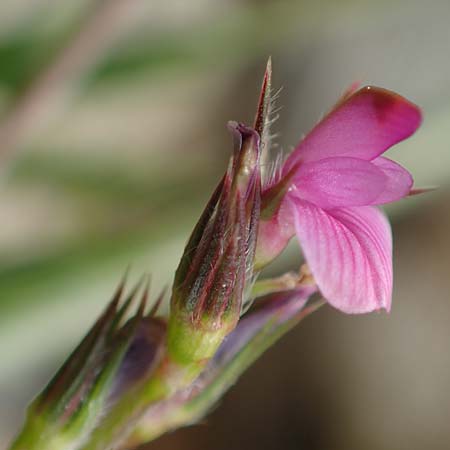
398	181
349	252
363	125
337	182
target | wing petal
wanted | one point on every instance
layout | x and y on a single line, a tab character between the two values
338	182
349	252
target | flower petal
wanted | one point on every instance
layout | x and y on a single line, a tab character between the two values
349	252
273	236
337	182
398	181
363	125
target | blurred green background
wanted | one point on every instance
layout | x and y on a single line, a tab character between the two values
112	136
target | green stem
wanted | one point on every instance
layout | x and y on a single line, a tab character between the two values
170	399
35	435
179	412
126	414
268	286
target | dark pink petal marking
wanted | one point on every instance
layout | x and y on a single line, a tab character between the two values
363	125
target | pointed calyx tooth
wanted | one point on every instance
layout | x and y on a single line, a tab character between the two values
264	103
263	117
88	379
423	190
212	274
71	377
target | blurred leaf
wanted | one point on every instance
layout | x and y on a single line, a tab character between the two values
106	181
244	34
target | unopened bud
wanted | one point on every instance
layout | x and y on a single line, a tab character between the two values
111	359
217	263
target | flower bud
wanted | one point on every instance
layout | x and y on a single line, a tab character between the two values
217	264
145	351
111	359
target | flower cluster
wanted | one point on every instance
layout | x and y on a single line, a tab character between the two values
132	380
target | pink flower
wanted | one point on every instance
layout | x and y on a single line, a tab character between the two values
331	183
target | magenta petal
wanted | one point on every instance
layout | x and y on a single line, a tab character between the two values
363	125
398	181
273	236
349	252
337	182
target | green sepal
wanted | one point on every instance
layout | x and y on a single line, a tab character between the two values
188	344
